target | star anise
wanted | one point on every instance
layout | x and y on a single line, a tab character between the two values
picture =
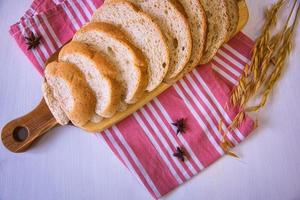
32	40
180	125
180	154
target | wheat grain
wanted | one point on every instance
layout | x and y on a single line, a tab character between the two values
269	56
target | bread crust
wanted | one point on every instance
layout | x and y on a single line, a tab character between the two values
150	87
178	58
197	51
83	96
211	49
180	8
233	10
104	68
139	61
184	17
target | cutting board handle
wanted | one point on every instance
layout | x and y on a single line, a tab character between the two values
19	134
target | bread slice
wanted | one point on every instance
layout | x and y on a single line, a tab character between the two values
171	18
127	59
72	92
142	32
53	105
100	75
233	11
197	22
218	27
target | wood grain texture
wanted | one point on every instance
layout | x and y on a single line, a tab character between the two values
36	123
40	120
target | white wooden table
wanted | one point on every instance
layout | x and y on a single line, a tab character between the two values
68	163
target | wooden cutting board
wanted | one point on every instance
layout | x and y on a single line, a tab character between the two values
19	134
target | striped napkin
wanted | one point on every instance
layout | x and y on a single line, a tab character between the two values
146	141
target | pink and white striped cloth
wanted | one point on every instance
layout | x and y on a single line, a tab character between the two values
145	141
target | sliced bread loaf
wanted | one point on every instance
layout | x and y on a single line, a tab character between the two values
53	105
127	59
218	27
171	18
100	75
197	21
70	89
142	32
233	11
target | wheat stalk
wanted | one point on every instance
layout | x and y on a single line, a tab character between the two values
279	63
246	86
268	51
262	42
276	41
225	144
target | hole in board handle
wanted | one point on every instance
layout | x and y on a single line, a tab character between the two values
20	134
